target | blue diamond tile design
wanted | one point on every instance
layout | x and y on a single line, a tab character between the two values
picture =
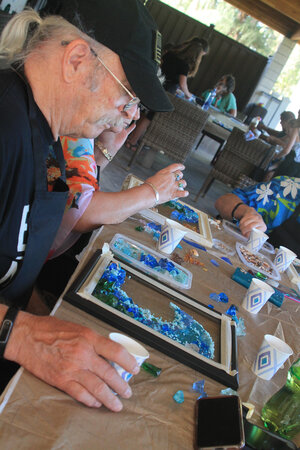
256	299
264	360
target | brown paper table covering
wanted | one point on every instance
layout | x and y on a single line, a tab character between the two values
38	416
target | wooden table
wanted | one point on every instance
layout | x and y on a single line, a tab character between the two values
38	416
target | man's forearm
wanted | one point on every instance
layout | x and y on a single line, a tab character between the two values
226	203
102	158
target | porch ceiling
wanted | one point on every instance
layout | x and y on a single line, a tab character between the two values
281	15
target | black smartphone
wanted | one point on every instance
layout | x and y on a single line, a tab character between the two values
261	439
219	422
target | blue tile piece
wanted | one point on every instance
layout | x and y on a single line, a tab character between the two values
179	397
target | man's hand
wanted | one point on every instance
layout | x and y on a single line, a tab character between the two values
169	183
72	358
112	139
251	219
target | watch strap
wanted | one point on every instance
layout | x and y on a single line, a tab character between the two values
234	220
6	327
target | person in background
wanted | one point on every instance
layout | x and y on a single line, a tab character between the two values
56	80
287	161
273	207
179	63
277	137
225	100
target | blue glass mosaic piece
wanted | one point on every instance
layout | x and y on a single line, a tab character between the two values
223	297
183	328
211	306
229	391
214	262
231	311
194	244
198	386
179	397
240	324
240	327
226	260
214	296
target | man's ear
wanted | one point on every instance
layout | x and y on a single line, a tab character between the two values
75	59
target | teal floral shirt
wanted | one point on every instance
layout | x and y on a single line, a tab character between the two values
275	200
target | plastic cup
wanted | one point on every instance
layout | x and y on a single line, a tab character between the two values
256	240
134	348
271	356
170	236
284	257
257	295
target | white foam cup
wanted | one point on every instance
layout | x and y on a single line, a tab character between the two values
170	236
256	240
284	257
133	347
271	356
257	296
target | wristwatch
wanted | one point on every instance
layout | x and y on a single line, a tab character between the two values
103	150
6	327
234	220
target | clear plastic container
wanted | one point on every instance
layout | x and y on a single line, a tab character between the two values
223	248
274	274
133	252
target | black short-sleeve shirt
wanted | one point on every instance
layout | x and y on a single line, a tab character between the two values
172	67
17	181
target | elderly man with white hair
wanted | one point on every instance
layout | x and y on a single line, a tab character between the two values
76	78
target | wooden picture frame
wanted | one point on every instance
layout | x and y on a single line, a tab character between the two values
202	235
223	368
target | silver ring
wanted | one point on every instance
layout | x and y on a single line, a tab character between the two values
177	176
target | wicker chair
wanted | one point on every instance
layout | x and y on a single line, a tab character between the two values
237	162
174	133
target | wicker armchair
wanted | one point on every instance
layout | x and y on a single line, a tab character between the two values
237	162
175	133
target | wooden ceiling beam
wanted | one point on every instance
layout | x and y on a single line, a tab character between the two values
289	8
266	14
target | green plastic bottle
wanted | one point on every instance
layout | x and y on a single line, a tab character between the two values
281	413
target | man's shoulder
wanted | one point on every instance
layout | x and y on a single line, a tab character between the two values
13	103
10	83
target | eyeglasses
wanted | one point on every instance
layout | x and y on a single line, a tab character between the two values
134	100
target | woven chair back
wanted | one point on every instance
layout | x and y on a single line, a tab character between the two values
178	132
238	160
241	157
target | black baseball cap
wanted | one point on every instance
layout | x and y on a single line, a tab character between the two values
127	28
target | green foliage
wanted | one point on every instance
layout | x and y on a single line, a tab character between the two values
290	76
232	22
